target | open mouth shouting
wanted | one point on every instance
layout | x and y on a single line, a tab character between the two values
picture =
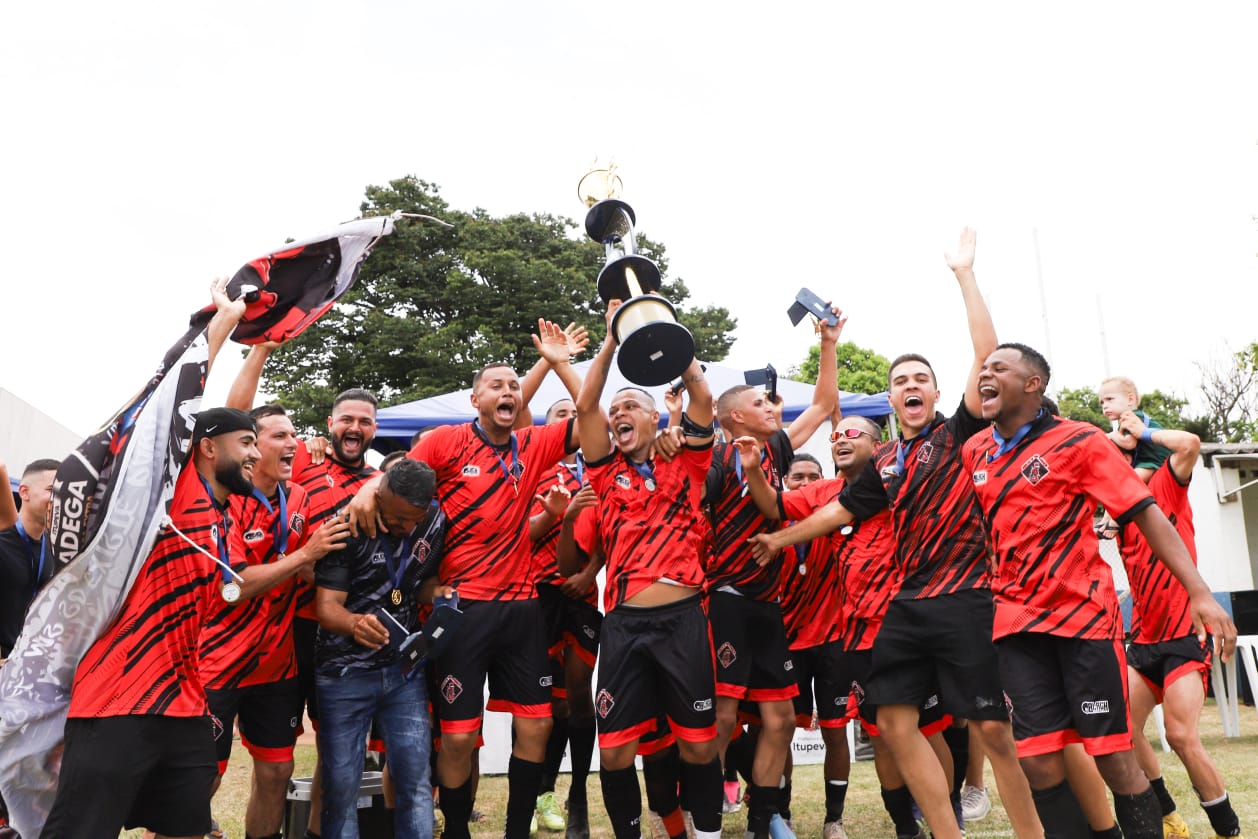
625	435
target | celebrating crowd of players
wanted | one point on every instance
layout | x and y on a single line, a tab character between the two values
946	579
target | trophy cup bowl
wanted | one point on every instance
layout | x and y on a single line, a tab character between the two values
654	347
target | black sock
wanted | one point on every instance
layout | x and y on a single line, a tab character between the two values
270	836
581	740
623	800
1223	818
1114	832
702	783
784	800
555	745
524	777
1060	812
661	773
456	806
1164	795
1139	815
762	804
958	740
836	795
899	804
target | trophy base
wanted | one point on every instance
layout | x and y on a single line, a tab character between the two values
654	347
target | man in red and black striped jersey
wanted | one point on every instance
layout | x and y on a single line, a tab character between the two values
868	578
487	474
753	662
248	663
936	634
570	608
656	648
139	751
1166	663
1038	478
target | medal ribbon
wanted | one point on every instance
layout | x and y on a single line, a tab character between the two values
401	555
279	526
1003	446
513	473
738	465
646	470
577	470
223	557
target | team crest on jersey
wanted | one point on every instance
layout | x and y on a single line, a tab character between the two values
421	551
789	665
451	689
471	470
1035	469
980	477
623	481
727	655
925	451
297	523
858	692
254	535
604	703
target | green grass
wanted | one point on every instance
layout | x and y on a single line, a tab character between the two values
865	817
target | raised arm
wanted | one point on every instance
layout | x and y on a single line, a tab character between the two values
591	421
245	388
577	340
825	395
1207	614
224	321
8	507
982	330
697	418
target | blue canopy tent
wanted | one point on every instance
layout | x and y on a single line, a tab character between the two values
397	423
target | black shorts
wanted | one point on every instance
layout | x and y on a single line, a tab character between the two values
854	675
1066	690
752	658
134	771
270	716
304	631
505	641
570	623
656	660
1165	662
817	672
939	644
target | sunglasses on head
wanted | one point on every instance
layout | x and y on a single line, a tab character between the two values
851	433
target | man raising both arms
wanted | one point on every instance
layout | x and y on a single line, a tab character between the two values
657	652
487	475
1057	622
752	655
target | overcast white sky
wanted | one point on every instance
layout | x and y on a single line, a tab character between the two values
150	146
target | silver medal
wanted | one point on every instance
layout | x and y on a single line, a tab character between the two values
803	569
231	592
845	530
650	485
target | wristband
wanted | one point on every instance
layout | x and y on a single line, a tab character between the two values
1147	435
690	428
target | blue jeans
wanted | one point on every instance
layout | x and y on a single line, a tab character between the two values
347	704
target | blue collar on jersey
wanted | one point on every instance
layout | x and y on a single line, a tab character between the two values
1004	446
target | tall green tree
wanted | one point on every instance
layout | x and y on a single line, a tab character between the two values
434	304
1230	388
860	370
1084	405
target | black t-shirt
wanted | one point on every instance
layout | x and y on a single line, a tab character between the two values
19	567
363	571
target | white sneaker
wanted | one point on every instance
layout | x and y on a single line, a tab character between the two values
833	830
975	805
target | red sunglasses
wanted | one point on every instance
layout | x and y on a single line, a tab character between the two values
851	433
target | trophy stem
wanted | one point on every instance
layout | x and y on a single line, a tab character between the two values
631	280
630	241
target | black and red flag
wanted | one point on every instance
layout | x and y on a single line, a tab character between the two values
111	494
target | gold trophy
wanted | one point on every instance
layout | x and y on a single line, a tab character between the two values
654	347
